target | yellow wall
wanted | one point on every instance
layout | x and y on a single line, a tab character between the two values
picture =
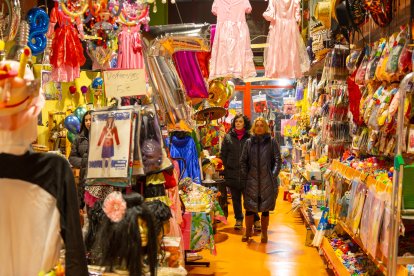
68	101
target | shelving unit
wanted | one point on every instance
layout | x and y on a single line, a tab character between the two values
337	266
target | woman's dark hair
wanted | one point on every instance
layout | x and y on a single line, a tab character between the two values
83	127
247	124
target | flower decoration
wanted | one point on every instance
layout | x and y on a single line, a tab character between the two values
218	163
114	206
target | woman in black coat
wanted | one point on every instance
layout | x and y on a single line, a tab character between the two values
231	150
78	157
260	166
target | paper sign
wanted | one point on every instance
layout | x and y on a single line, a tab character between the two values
121	83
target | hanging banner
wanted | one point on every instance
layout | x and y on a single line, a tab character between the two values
122	83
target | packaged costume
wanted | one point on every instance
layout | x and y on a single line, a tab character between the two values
286	56
231	55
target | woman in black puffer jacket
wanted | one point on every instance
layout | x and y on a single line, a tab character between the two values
78	157
260	166
231	150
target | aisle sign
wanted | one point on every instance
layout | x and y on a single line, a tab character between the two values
121	83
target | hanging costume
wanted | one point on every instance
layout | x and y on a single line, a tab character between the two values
185	148
231	55
67	52
286	56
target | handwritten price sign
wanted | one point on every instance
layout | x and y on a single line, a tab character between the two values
121	83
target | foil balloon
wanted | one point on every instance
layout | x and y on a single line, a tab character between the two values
217	94
159	44
72	124
71	136
190	74
79	112
39	23
230	87
10	19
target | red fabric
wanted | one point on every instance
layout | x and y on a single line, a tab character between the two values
355	96
240	133
170	181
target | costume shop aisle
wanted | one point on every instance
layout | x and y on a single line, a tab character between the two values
284	254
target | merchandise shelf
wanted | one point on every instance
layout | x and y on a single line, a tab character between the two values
381	266
329	253
307	220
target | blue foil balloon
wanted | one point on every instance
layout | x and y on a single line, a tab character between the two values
39	22
79	112
72	124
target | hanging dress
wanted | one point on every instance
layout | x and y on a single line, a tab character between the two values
130	48
286	56
231	55
66	56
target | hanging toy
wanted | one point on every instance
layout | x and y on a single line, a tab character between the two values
39	22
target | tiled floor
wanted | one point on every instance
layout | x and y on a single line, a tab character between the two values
284	254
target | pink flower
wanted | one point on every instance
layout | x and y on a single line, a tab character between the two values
114	206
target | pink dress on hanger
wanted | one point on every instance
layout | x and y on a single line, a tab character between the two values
231	55
286	55
130	49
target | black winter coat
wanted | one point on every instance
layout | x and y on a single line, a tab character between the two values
78	157
260	166
231	150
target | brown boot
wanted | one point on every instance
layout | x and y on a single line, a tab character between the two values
265	225
249	227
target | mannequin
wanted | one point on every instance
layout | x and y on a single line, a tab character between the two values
38	200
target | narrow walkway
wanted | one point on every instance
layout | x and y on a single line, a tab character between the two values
284	254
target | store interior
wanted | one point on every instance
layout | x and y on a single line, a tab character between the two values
206	137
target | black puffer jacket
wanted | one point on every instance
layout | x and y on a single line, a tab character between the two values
78	158
231	150
260	165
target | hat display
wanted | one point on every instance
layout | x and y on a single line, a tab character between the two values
209	112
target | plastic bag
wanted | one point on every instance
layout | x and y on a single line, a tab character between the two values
360	75
364	230
356	203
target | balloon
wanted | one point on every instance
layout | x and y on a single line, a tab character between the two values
159	44
72	89
230	87
79	112
12	21
217	93
190	74
97	83
71	136
39	22
72	124
84	89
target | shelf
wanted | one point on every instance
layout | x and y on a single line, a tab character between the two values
381	266
337	266
307	220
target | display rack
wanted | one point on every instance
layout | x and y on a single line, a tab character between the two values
329	253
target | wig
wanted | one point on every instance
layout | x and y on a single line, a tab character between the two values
120	243
161	213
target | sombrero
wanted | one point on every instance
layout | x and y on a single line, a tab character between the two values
209	113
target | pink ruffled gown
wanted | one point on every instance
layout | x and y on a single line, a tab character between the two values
286	55
129	48
231	55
